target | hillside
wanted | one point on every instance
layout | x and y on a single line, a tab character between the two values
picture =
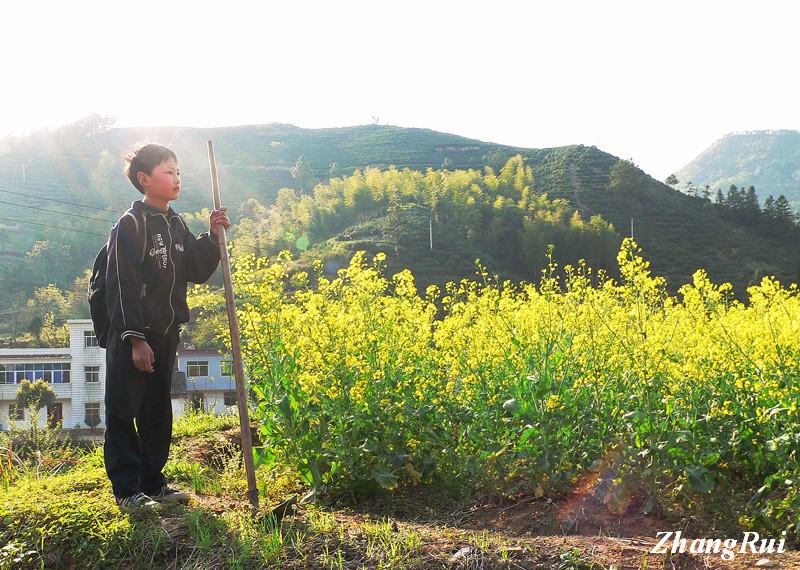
83	168
767	160
678	233
63	189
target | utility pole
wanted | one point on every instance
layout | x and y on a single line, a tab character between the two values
631	228
430	227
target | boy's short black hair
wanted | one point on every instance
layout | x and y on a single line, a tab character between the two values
145	158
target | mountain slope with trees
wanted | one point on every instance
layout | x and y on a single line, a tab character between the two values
766	160
435	222
371	187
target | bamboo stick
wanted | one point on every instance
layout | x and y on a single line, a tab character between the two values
238	367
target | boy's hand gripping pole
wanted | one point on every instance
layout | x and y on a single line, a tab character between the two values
238	368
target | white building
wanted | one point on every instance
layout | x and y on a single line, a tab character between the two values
77	375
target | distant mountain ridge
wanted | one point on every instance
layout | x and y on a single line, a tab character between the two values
81	167
768	160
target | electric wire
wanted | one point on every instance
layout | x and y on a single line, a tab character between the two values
192	223
82	216
37	196
52	227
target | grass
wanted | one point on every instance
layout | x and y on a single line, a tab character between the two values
69	520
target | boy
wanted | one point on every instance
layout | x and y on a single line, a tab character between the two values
151	257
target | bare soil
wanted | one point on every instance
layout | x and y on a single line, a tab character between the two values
602	523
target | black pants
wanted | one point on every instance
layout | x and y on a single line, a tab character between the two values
138	415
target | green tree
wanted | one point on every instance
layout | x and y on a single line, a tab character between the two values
53	335
92	419
301	172
734	200
358	198
34	396
750	203
785	218
46	255
17	316
252	209
515	175
769	208
783	211
74	299
395	224
49	300
88	126
624	177
35	326
496	158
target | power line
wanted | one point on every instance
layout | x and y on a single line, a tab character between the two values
82	216
60	227
93	207
53	227
191	223
13	312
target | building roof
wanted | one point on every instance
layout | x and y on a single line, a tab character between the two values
35	356
200	352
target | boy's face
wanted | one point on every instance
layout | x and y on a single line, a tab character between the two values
162	185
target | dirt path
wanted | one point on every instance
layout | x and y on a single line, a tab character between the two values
576	193
604	522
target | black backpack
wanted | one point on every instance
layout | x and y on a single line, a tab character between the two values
98	309
97	297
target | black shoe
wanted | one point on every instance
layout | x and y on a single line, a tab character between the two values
137	501
168	494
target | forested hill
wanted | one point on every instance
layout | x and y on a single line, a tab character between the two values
766	160
80	166
506	217
61	190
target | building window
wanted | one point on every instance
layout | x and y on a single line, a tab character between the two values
92	414
92	374
195	368
226	368
89	340
50	372
16	413
230	398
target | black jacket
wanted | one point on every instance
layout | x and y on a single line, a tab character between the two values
151	257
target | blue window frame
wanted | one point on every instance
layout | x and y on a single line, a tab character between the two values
50	372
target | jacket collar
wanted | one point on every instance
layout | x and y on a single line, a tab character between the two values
148	209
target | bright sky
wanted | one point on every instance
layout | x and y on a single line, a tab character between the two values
653	81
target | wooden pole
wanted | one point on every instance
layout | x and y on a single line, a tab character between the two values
238	367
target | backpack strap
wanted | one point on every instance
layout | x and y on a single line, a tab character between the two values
135	217
144	238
